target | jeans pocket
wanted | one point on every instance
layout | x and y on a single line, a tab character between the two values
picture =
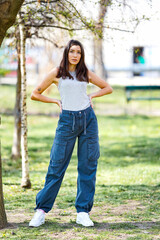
93	149
58	150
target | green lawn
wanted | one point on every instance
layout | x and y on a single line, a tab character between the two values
127	199
114	103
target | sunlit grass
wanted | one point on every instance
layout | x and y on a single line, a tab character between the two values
127	199
114	102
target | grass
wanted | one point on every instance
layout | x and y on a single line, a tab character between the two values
127	199
114	103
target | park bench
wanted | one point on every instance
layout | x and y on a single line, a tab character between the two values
130	89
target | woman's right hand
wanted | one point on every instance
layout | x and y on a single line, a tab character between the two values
59	103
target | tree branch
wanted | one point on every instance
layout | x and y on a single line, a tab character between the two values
35	1
48	39
118	29
82	20
53	26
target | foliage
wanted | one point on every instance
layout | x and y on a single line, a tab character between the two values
51	15
3	72
61	13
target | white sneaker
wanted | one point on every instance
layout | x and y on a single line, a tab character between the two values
83	219
38	219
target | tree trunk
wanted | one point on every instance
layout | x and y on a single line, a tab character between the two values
24	148
8	13
99	67
3	218
98	42
16	148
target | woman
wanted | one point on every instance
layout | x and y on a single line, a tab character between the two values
77	119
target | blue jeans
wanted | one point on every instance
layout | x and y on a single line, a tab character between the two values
73	124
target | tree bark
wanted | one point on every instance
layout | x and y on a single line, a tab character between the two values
16	148
3	218
99	66
98	42
24	148
8	13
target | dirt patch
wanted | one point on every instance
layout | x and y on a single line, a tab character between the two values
131	206
67	236
106	218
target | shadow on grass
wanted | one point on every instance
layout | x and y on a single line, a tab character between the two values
125	192
135	150
138	186
60	227
128	225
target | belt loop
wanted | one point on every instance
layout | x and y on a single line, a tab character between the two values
73	122
84	123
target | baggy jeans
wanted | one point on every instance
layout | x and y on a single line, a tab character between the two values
73	124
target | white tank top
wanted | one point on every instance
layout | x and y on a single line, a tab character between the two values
73	93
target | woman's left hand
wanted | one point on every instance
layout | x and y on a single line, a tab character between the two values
90	99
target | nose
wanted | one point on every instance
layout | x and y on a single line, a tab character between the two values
75	54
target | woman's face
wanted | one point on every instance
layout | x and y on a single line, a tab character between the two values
74	54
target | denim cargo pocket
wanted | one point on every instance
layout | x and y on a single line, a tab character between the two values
58	151
93	149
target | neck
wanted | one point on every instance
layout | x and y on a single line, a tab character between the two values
72	68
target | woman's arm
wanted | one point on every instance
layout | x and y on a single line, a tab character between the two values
48	80
105	87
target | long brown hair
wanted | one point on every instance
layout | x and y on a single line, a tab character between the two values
81	69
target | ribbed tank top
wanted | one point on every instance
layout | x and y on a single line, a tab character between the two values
73	93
